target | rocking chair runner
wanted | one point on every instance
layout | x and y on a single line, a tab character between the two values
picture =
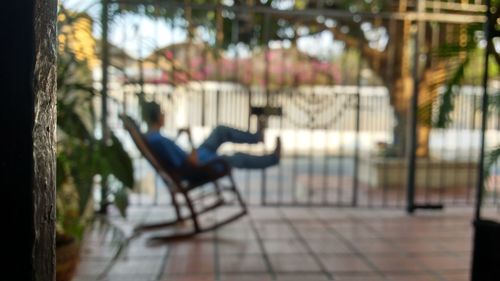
178	186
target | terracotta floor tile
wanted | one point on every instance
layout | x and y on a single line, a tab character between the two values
284	247
456	276
243	222
137	266
130	277
344	263
192	248
359	277
241	233
90	267
317	235
355	232
395	263
400	247
457	245
314	232
372	246
399	234
412	231
260	214
444	263
275	231
437	235
189	265
412	277
245	277
189	277
301	277
97	250
418	246
242	264
307	224
329	214
298	214
84	278
329	246
141	248
239	247
293	263
343	224
122	277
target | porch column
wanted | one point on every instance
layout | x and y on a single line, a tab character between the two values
27	139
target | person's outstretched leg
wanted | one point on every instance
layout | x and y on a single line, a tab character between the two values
248	161
222	134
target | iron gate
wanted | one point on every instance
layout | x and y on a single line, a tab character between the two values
338	117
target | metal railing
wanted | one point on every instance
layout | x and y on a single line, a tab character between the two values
319	157
337	132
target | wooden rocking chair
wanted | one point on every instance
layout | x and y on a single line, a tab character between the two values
178	186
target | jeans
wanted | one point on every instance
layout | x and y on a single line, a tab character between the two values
222	134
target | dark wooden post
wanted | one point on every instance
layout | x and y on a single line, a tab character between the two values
104	95
27	139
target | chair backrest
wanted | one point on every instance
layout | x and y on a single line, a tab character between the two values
170	178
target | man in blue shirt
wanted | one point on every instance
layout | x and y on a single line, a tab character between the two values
176	158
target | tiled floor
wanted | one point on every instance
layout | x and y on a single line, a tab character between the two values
295	244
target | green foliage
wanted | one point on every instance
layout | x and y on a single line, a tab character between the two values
492	157
451	90
252	29
87	156
494	104
121	200
451	50
117	162
461	74
466	72
68	216
81	156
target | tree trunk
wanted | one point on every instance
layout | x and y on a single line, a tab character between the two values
27	165
394	68
398	81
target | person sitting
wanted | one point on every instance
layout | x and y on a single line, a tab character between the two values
175	158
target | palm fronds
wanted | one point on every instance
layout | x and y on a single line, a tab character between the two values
451	90
491	158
